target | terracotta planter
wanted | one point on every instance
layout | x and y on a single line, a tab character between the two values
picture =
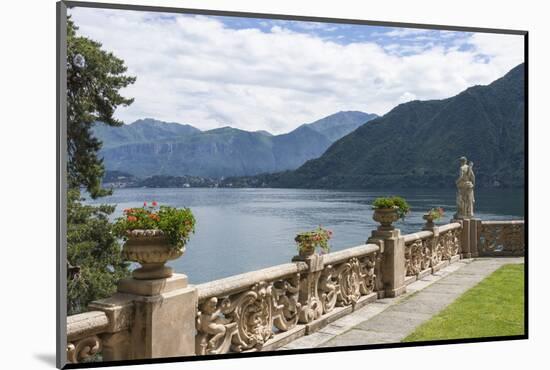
386	217
151	250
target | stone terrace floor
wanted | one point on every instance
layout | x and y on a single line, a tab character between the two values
390	320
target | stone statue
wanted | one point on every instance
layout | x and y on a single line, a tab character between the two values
465	190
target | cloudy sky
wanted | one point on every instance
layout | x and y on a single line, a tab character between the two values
258	74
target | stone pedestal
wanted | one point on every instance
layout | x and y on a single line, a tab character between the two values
469	237
164	317
393	260
465	239
150	319
475	232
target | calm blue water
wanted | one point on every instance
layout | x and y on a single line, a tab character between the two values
241	230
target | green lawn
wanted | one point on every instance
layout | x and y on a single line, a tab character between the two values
494	307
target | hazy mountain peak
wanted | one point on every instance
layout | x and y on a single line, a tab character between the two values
150	147
417	143
340	124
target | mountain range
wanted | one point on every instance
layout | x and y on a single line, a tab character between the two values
149	147
417	144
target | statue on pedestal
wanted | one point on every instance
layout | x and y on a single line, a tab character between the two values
465	190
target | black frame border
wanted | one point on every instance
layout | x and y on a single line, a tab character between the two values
61	103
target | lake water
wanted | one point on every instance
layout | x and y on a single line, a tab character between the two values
241	230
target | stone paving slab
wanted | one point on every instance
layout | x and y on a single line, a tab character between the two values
393	321
390	320
357	337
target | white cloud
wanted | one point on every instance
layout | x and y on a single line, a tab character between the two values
193	69
404	32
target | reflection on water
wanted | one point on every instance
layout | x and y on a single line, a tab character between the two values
241	230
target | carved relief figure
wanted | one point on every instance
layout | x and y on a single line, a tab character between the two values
211	326
465	190
368	275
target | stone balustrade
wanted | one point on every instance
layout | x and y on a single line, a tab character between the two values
501	238
430	250
83	335
266	309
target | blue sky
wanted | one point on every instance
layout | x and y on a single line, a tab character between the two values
262	74
410	40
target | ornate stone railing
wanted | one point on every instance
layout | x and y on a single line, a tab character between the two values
266	309
253	311
449	241
427	251
83	335
102	330
501	238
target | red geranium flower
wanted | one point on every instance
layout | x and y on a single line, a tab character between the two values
154	204
145	204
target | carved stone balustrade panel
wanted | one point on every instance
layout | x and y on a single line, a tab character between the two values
502	238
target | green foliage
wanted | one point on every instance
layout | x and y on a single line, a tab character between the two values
436	213
93	254
494	307
94	78
176	224
308	240
393	202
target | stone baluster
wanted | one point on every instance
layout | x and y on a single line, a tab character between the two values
311	305
391	261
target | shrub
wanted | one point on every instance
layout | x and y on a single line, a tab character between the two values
313	239
436	213
176	224
392	202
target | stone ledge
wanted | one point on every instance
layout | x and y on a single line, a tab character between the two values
119	309
86	324
282	339
423	273
440	265
410	279
454	259
152	287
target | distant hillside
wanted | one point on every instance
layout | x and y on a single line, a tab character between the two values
340	124
141	131
418	144
150	148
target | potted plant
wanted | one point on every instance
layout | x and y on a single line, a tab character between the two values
433	215
308	241
154	236
387	210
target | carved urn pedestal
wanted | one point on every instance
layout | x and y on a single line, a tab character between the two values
386	217
306	250
151	249
163	304
390	266
429	221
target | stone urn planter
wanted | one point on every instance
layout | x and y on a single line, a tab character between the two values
308	241
429	220
307	250
386	217
151	249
